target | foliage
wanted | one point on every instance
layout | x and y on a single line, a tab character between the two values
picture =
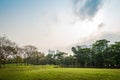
99	54
7	48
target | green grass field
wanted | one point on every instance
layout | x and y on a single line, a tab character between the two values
50	73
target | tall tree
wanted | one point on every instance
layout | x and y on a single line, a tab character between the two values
98	49
37	58
109	56
82	55
69	61
50	58
116	52
59	56
7	48
28	51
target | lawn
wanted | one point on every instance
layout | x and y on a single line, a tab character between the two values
50	73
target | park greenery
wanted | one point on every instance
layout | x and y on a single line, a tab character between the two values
101	54
53	72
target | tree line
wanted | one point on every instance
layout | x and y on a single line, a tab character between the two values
100	54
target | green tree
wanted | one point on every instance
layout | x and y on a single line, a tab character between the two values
109	57
98	49
116	53
82	55
7	48
37	58
50	58
29	50
59	56
69	61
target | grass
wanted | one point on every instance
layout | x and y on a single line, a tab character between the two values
47	72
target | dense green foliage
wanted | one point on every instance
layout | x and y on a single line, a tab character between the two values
46	72
99	54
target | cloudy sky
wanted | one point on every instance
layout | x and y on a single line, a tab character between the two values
59	24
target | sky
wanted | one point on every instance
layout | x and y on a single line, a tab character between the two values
59	24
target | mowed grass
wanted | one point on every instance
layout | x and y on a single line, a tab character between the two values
47	72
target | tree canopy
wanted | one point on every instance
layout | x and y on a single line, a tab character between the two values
99	54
